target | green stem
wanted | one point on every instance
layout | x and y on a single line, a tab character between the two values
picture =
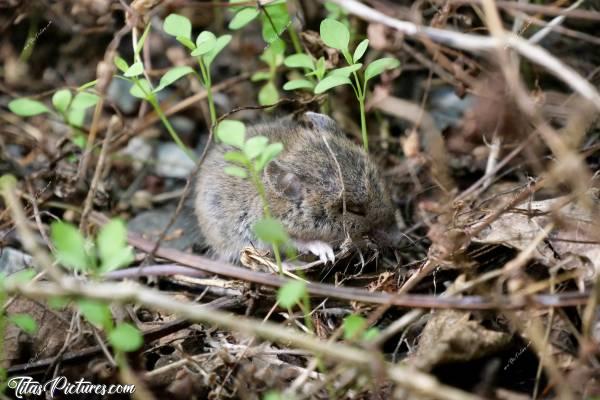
363	124
170	129
266	211
207	83
295	40
360	92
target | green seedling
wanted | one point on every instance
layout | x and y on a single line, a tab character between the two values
292	294
273	57
24	322
248	161
274	17
356	327
336	35
204	50
65	107
124	337
142	88
108	252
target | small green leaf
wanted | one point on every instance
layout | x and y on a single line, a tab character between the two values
142	90
95	312
360	50
126	337
205	42
84	100
298	84
320	68
231	132
271	231
61	100
335	34
172	75
255	146
331	82
378	66
140	44
273	395
291	293
58	302
79	140
220	44
76	116
260	76
136	69
243	18
276	23
234	170
70	246
7	182
186	42
268	154
346	71
268	94
121	64
371	334
25	322
277	47
299	61
20	277
178	25
236	157
27	107
112	246
353	324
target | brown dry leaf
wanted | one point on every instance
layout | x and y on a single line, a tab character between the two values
449	336
571	241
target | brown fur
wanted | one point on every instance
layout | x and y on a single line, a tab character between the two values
302	185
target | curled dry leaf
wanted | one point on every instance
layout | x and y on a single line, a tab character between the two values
573	242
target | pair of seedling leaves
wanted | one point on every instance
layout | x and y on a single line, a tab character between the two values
205	49
336	35
70	109
109	252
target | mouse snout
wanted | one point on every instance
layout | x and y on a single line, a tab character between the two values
388	235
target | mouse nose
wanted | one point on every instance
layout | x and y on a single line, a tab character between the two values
389	235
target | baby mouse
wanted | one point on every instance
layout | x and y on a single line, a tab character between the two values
303	187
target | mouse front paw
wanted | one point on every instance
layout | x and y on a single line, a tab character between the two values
320	249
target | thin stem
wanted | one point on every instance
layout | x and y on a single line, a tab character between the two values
363	124
295	40
170	129
207	83
266	211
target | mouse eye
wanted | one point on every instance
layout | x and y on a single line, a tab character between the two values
353	208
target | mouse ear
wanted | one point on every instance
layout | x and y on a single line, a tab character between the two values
319	122
283	182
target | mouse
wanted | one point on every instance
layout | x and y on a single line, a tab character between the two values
323	187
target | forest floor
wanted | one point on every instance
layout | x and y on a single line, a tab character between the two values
482	120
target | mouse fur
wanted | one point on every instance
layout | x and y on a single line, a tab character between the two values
303	188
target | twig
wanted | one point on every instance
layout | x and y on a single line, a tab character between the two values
468	42
89	200
129	292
